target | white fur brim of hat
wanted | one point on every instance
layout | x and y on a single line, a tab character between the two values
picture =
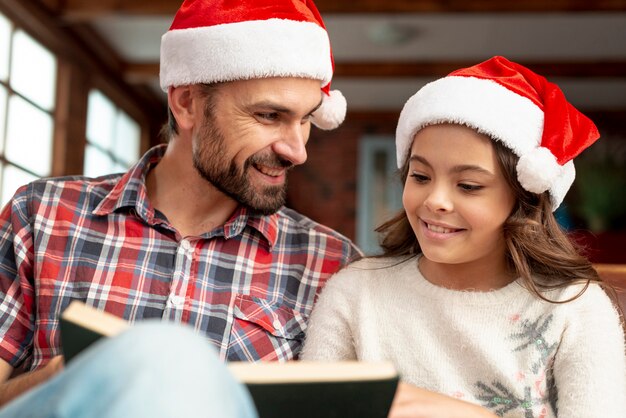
252	49
495	111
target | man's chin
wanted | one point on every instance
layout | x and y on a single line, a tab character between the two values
264	211
273	201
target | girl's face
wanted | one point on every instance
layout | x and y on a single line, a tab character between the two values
456	197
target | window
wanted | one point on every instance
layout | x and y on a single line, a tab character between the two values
113	137
27	100
379	189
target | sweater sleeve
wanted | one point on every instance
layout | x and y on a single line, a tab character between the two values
590	364
329	335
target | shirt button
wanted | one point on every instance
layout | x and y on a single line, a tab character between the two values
177	300
277	324
185	245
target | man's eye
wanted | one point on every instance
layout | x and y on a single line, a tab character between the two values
271	116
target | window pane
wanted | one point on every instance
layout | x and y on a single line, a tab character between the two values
379	191
97	163
100	120
12	178
3	113
119	168
29	137
5	36
126	139
33	70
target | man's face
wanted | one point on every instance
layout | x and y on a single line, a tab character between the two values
252	133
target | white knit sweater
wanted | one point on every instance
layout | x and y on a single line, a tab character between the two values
505	349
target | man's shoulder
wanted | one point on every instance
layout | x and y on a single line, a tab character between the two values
67	188
298	222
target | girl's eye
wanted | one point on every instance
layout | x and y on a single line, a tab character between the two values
420	178
470	187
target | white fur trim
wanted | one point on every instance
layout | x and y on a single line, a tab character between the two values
332	111
496	111
562	184
481	104
245	50
537	169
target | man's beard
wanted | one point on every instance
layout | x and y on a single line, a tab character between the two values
210	161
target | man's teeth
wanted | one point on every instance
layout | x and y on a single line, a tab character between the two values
269	171
439	229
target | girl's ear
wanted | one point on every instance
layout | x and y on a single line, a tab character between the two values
181	103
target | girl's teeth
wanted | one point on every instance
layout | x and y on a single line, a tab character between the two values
439	229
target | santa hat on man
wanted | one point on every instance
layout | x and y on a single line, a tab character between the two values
513	105
213	41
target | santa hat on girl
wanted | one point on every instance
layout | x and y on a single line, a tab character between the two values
213	41
513	105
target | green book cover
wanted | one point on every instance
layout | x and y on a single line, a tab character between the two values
347	399
342	389
83	325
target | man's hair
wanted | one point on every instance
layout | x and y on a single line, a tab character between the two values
170	128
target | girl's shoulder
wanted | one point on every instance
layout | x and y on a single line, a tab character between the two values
377	267
372	271
582	294
588	301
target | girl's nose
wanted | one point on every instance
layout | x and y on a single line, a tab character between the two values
439	199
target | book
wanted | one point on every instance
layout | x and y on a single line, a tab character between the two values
341	389
82	325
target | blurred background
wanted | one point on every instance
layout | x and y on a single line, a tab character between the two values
79	95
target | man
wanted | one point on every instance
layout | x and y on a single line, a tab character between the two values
195	233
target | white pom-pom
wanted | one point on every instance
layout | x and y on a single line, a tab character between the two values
538	170
332	111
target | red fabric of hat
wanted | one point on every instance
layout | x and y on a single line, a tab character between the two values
212	41
566	131
513	105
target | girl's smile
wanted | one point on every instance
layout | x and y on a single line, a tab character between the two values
457	201
437	231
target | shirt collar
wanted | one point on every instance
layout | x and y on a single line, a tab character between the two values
267	225
130	192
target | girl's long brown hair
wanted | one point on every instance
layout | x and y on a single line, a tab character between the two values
538	250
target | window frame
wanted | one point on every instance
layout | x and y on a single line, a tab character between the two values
78	71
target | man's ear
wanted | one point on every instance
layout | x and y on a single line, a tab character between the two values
181	102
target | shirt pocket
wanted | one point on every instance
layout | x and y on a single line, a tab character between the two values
264	331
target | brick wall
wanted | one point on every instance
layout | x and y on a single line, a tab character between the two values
324	188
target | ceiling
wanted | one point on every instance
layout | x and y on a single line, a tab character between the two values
386	49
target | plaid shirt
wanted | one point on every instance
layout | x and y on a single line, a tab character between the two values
249	285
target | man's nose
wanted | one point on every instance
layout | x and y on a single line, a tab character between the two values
292	144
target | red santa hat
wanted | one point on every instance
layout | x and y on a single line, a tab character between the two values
213	41
513	105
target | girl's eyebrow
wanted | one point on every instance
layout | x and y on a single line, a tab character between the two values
470	167
419	160
455	169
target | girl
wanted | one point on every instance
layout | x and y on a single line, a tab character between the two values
480	299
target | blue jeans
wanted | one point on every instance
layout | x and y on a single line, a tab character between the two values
153	370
